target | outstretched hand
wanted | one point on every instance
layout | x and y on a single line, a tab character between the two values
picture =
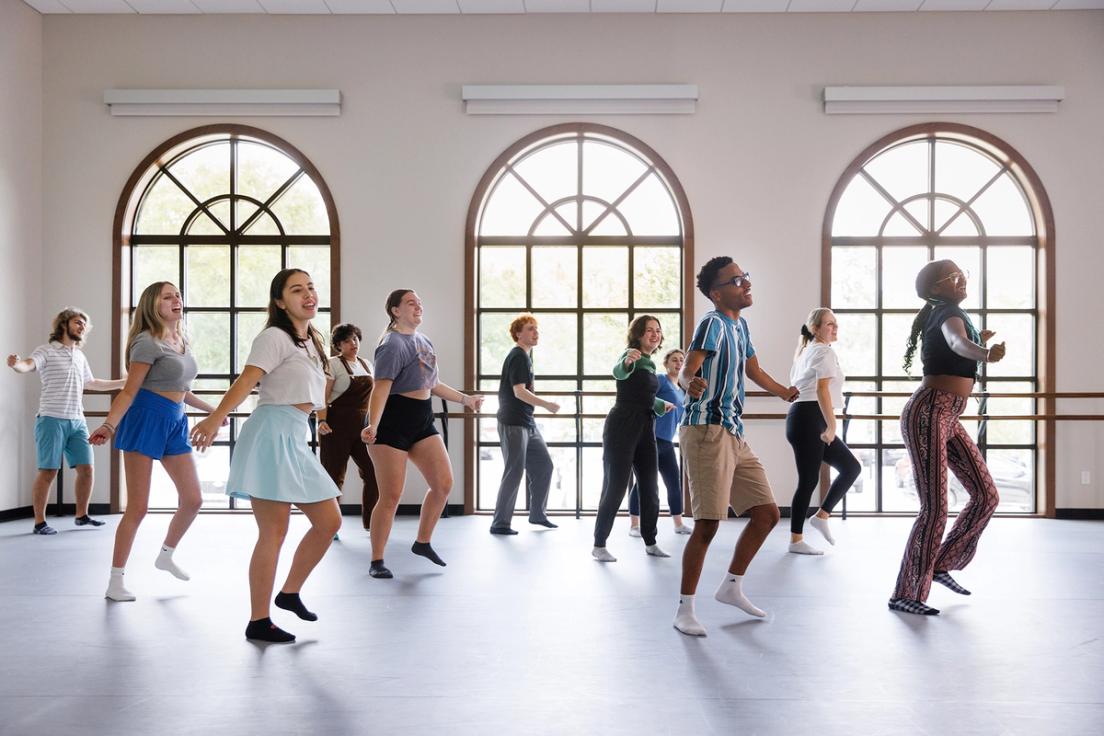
12	360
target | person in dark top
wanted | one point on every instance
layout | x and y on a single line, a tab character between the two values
666	427
952	351
523	448
628	438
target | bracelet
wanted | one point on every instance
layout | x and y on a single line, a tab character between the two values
110	427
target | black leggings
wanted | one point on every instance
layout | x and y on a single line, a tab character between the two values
672	478
804	424
628	446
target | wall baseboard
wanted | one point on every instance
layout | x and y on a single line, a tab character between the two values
67	509
1082	514
405	509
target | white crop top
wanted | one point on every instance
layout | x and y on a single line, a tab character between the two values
815	362
293	374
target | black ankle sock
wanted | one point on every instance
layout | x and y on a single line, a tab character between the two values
264	630
423	549
292	602
379	570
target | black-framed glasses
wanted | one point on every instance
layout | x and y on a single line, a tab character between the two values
744	278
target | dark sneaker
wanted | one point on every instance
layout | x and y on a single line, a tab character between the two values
87	520
44	528
502	530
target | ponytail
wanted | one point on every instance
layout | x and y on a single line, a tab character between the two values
394	299
815	318
917	327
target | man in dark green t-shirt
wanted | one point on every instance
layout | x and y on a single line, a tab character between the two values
523	448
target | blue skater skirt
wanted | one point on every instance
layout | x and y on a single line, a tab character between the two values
273	460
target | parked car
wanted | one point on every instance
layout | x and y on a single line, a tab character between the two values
1013	479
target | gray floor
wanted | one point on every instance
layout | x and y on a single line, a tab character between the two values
528	635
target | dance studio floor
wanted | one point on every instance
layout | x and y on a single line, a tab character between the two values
528	635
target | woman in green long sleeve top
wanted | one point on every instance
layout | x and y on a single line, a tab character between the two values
628	438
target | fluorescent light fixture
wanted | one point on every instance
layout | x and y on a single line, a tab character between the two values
223	102
579	99
953	99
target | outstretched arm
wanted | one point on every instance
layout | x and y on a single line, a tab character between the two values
764	380
20	365
204	433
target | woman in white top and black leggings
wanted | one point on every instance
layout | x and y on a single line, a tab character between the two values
811	428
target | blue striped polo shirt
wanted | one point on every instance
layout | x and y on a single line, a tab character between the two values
727	345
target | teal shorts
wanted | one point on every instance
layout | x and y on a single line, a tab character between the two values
56	437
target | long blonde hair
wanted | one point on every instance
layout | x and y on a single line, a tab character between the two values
814	320
146	318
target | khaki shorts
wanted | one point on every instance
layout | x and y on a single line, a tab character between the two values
723	472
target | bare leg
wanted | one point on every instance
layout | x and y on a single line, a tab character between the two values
272	525
325	519
693	555
137	468
431	460
762	520
390	465
182	472
40	493
83	492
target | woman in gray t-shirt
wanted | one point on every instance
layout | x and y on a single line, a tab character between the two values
400	426
148	423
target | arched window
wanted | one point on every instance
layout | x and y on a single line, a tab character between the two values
939	191
218	211
585	227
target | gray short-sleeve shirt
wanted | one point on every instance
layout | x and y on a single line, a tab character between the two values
169	370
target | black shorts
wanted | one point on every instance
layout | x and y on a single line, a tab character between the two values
405	422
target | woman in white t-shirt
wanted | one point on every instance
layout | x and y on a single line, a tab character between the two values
811	428
273	467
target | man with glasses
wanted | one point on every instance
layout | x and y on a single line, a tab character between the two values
721	466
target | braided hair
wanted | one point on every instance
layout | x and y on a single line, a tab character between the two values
925	281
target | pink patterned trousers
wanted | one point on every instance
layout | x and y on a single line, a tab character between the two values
936	440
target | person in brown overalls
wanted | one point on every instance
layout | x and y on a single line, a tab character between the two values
346	412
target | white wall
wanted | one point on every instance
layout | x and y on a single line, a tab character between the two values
758	159
22	326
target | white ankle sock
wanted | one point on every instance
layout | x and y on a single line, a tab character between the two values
655	551
602	555
685	620
803	548
731	592
115	589
165	562
821	525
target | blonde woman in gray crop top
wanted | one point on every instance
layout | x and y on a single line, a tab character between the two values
148	423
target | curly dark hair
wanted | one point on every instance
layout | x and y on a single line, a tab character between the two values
707	276
343	332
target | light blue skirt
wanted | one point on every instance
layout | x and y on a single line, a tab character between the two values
273	461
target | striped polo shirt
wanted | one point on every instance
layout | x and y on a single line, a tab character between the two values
727	345
63	372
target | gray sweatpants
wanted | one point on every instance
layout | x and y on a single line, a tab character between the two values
523	453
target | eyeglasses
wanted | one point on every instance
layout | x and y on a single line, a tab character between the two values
744	278
958	277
